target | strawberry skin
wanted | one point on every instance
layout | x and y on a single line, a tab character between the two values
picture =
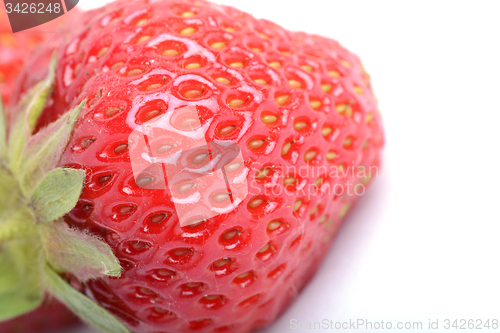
291	101
14	49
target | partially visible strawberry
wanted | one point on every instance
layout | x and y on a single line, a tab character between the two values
299	107
50	317
15	49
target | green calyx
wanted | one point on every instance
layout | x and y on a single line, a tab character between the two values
36	246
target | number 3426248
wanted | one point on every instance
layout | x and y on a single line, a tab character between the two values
26	8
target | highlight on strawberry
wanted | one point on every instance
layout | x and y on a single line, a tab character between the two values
179	166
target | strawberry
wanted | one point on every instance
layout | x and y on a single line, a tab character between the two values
196	164
14	49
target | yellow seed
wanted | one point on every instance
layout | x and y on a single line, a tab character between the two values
211	297
285	52
187	14
269	119
223	80
193	93
343	210
143	39
264	248
117	65
236	103
344	109
255	144
322	219
263	35
255	203
183	188
299	126
102	52
306	68
193	65
358	90
218	45
219	197
310	155
347	142
294	84
345	63
188	31
273	225
315	104
230	29
326	130
256	49
297	205
170	53
134	72
331	155
200	158
226	130
334	74
141	22
369	117
237	64
281	100
262	173
314	210
242	276
286	148
153	86
221	262
289	181
275	64
260	81
326	87
232	166
318	181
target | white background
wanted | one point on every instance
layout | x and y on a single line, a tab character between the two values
424	242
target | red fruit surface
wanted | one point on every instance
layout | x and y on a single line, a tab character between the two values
15	49
299	106
50	317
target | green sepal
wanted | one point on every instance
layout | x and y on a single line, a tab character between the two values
87	310
15	299
20	286
57	194
10	197
75	252
3	133
8	278
43	151
14	304
28	111
19	225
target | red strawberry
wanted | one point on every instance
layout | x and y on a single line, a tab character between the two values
16	48
285	111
